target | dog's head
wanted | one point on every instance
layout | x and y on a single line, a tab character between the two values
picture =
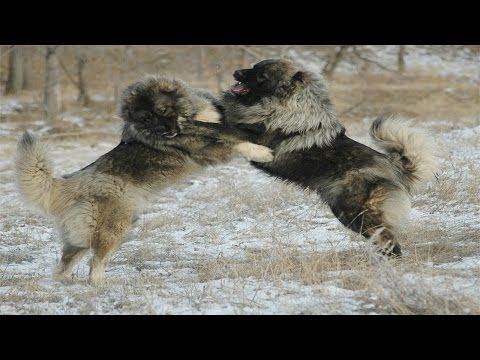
156	106
266	78
280	95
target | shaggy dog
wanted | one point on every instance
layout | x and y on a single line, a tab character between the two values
283	106
95	206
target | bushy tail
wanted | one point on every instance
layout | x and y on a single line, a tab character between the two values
34	173
415	150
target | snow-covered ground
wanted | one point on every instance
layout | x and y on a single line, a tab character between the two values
192	249
231	240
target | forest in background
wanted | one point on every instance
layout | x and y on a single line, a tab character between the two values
55	75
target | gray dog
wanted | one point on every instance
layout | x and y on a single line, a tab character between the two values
283	106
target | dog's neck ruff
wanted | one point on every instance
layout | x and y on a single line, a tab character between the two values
307	116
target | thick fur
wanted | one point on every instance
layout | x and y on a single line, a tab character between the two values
283	106
161	143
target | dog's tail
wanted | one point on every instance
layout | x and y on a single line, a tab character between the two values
412	148
34	173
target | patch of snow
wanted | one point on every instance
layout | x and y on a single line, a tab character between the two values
471	262
9	106
6	129
101	98
77	120
221	215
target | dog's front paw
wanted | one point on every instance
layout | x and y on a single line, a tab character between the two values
384	244
254	152
208	115
389	249
263	154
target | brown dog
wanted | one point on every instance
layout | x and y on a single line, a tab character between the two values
95	206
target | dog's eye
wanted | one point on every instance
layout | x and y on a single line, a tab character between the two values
262	77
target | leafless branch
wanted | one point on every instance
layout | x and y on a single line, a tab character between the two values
363	58
69	76
333	62
250	52
353	107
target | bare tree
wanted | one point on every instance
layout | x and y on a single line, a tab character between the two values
220	64
401	59
27	83
368	57
1	55
15	71
333	62
83	97
52	93
123	70
201	64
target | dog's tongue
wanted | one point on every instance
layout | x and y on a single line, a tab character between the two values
240	89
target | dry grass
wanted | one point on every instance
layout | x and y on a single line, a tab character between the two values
151	259
281	263
379	279
422	96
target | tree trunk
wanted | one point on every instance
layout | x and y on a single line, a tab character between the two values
332	64
401	59
1	73
15	71
27	83
83	97
118	83
52	93
219	78
201	64
223	62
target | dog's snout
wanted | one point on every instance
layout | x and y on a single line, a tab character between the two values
239	74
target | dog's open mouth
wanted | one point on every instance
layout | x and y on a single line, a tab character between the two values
170	134
240	89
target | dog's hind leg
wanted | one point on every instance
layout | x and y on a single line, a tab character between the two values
384	239
71	256
386	208
108	238
101	258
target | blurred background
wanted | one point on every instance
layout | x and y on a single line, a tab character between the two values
232	240
84	82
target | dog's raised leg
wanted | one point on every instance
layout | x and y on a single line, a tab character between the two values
71	256
384	240
254	152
